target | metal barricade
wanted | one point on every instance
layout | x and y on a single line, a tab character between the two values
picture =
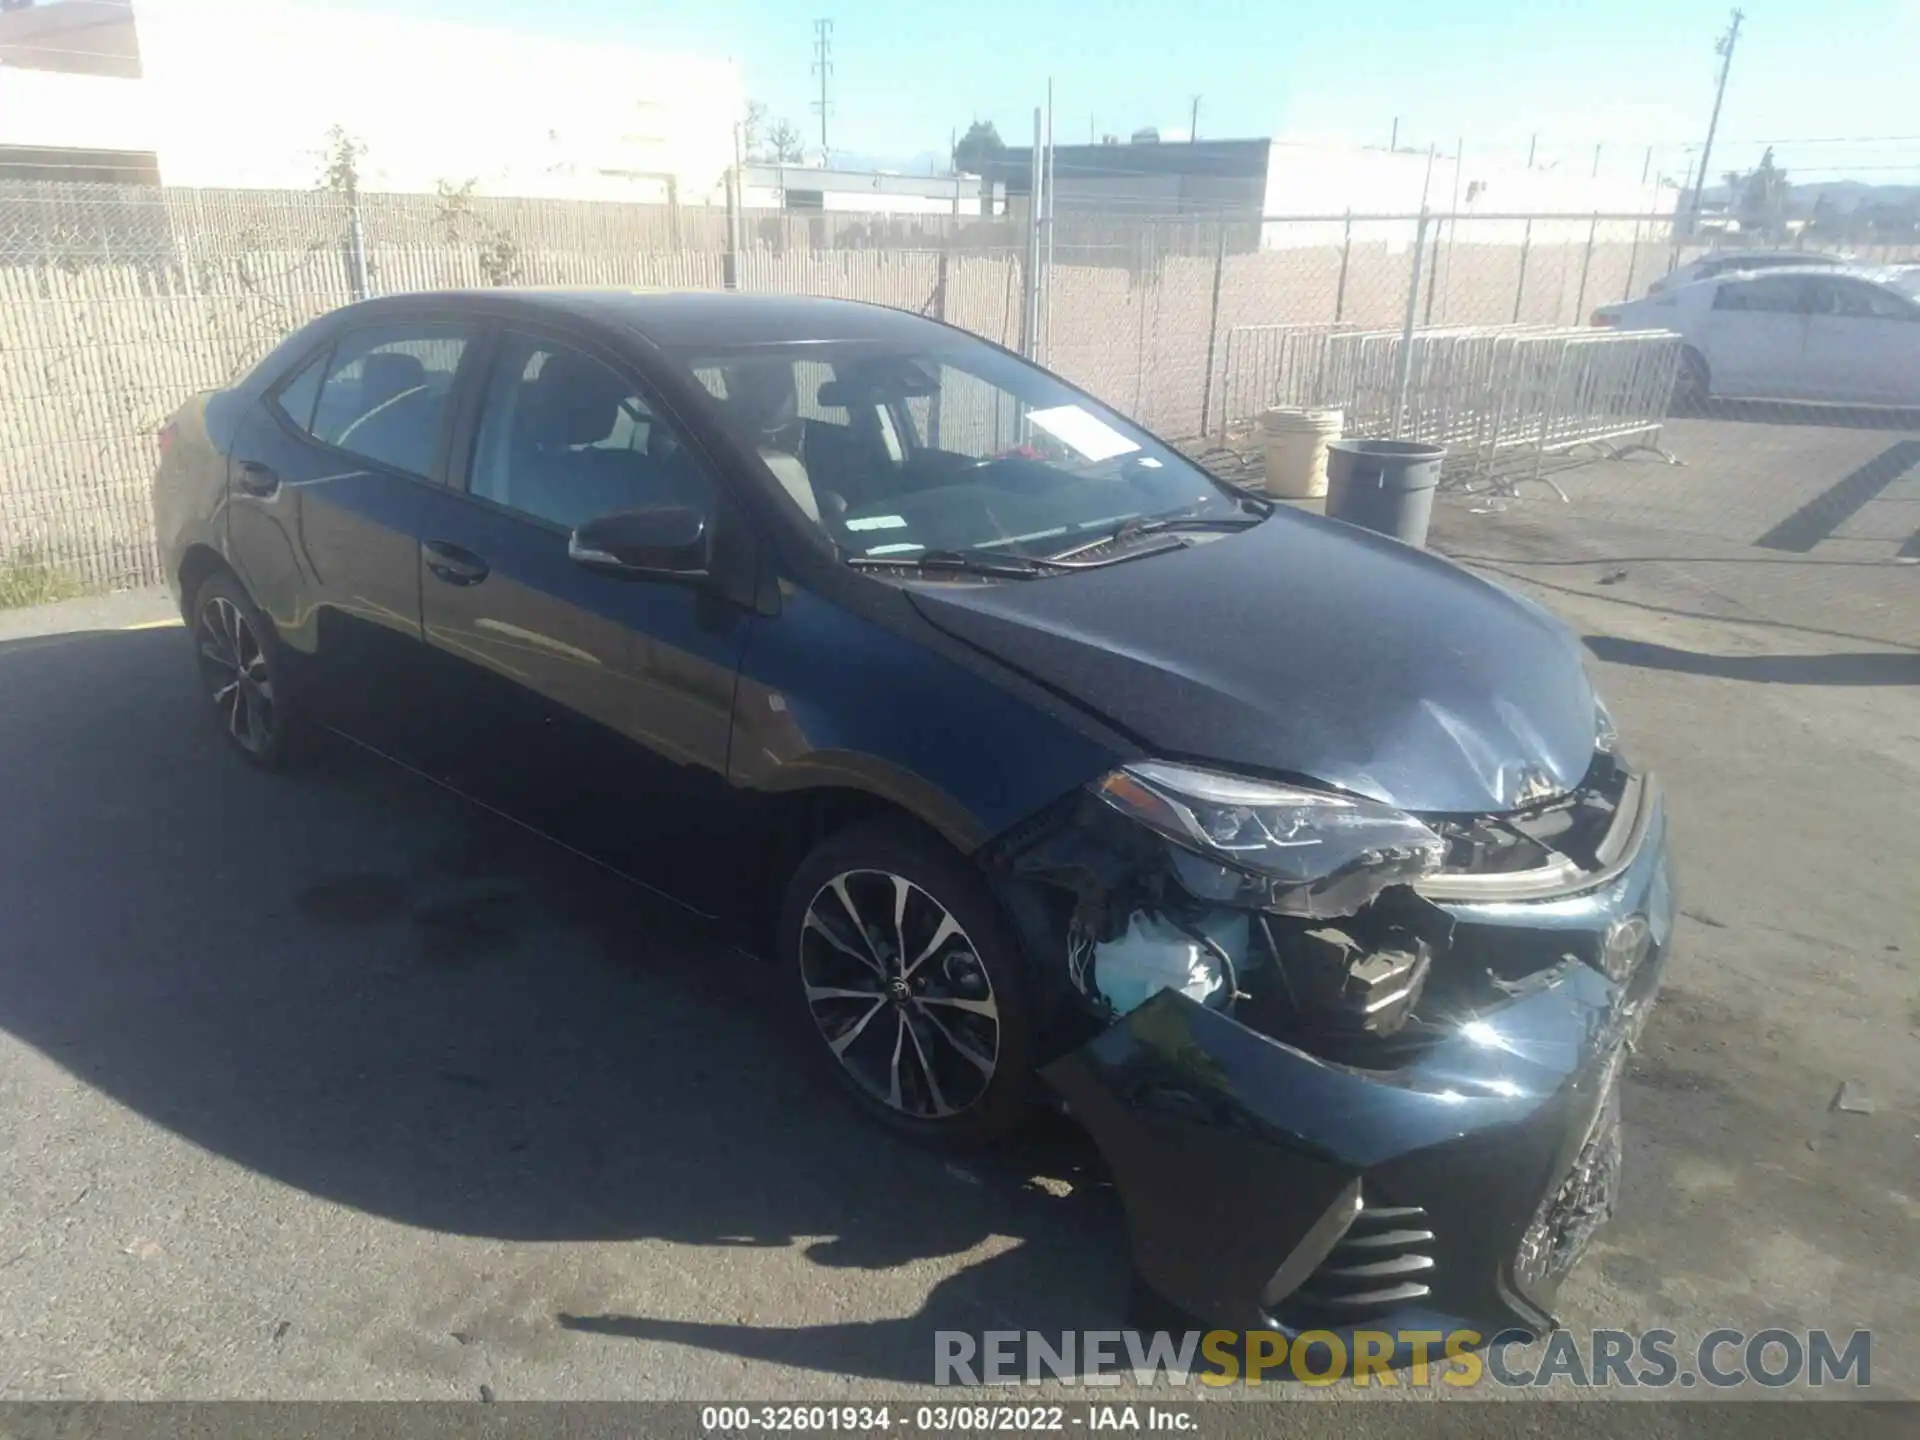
1268	365
1490	394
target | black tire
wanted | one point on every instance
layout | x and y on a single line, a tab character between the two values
241	672
1692	384
914	1060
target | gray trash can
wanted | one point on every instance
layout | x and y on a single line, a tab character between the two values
1385	485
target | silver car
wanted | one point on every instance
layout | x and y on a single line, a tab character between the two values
1823	333
1722	262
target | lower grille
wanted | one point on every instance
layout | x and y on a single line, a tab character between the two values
1381	1261
1580	1205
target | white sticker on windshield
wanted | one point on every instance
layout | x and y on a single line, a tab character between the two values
1090	435
878	522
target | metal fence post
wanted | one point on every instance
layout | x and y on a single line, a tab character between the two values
1633	261
1403	371
736	202
1520	286
1030	326
356	251
1213	323
941	275
1433	273
1586	263
1346	253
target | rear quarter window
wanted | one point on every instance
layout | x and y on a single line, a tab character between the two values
295	398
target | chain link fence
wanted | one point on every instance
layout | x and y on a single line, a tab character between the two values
116	302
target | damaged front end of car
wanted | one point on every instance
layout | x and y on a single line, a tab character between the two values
1351	1068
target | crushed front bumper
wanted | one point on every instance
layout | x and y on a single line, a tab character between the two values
1268	1188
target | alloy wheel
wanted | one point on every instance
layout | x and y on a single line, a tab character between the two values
235	669
899	994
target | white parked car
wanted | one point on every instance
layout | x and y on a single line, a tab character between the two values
1721	262
1812	333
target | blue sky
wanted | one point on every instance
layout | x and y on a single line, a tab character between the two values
1623	74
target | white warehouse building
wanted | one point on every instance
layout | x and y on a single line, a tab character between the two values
245	93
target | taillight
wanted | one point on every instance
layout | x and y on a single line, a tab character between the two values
163	437
1602	318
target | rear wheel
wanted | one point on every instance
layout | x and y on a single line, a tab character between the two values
910	983
241	674
1692	384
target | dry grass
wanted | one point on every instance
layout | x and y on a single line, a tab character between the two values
28	578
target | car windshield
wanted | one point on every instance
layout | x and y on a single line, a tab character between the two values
948	446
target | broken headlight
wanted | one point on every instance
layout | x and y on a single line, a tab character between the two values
1606	739
1301	851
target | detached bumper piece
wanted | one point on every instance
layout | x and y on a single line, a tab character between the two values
1445	1176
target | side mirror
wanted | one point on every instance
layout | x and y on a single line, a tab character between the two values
665	542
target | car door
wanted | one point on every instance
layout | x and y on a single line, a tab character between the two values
1756	337
328	478
594	707
1863	343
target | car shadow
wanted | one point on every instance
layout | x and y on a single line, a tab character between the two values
365	988
1794	412
1851	668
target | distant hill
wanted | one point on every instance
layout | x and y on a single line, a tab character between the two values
1842	197
1845	197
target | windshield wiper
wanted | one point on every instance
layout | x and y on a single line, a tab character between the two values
998	564
1155	524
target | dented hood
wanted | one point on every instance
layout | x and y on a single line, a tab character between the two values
1307	648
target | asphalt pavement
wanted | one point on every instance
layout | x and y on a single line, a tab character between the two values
335	1086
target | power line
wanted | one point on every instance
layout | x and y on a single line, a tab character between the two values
1834	140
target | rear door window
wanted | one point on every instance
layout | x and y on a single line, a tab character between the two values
386	394
1771	294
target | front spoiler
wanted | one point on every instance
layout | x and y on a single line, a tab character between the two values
1235	1154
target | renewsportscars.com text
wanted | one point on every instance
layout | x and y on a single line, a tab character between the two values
1605	1359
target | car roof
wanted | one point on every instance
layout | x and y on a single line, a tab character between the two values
1825	272
682	318
1731	257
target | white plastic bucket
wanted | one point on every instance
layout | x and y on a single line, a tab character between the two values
1295	442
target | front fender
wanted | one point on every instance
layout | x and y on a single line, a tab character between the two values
827	696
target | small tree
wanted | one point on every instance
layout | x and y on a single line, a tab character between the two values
340	162
1761	199
753	127
980	144
783	143
460	223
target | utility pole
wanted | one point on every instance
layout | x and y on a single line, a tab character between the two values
1723	47
1393	142
1193	125
823	67
736	202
